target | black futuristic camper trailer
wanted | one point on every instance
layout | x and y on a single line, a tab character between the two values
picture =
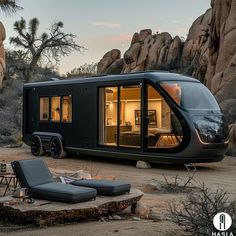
154	116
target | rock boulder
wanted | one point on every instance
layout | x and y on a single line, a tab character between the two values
108	60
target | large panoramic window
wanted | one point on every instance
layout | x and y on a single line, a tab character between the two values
44	108
125	102
164	128
55	109
67	109
191	95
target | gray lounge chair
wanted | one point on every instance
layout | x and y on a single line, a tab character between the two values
105	187
35	176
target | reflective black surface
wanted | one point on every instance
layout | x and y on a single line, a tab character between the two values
211	128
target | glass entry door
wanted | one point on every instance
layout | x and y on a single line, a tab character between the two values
130	116
120	116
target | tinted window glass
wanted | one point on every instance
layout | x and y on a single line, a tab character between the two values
191	95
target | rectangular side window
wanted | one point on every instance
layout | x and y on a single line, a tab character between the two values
44	108
67	109
56	109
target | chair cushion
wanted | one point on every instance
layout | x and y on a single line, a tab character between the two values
62	192
104	187
32	172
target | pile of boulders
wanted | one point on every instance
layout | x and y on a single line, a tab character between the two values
147	51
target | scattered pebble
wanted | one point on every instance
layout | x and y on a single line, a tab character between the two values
154	215
116	217
143	165
141	210
136	218
102	219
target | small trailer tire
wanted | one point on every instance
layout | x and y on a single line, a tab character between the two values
56	148
36	146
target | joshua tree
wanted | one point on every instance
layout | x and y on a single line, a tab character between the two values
47	46
9	6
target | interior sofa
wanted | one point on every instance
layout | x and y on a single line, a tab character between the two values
132	138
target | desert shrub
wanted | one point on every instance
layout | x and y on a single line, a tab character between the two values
176	184
195	214
11	113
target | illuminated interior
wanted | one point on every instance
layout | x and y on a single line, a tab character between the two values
55	108
44	108
57	114
163	128
168	131
67	109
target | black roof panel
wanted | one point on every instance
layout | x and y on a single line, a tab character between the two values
154	76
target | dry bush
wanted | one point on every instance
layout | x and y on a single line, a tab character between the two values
176	184
195	214
11	113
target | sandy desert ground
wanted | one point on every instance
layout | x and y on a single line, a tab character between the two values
214	175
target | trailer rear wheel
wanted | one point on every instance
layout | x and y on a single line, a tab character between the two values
56	148
36	146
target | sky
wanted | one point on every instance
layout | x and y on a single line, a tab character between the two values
101	25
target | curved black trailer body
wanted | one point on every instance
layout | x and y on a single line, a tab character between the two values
203	136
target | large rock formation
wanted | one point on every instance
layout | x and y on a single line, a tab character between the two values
221	77
221	71
111	62
2	53
152	51
208	53
195	51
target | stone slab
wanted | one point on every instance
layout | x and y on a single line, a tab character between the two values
43	212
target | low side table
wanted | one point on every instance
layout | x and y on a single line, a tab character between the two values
9	180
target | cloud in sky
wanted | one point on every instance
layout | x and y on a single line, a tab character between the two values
106	24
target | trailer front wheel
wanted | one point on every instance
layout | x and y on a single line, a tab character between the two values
56	148
36	146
